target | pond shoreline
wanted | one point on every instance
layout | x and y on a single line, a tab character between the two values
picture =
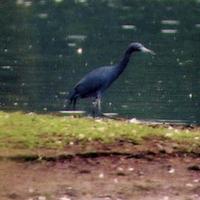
24	134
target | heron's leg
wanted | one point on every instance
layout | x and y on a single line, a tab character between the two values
74	103
99	104
94	105
98	99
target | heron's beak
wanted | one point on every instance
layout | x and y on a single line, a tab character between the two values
145	50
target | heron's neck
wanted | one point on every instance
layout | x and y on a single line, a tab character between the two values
124	62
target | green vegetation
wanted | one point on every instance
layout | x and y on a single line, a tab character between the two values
33	131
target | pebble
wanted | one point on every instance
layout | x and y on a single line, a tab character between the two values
64	198
116	180
130	169
30	190
71	143
165	198
195	197
42	198
120	169
171	171
101	175
189	184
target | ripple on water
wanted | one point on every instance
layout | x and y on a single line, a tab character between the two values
169	31
76	37
170	22
128	27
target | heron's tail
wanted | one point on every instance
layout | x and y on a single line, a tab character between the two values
71	98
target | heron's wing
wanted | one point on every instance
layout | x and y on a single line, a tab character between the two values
93	82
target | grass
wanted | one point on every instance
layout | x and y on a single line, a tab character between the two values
31	131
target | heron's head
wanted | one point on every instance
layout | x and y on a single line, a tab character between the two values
135	46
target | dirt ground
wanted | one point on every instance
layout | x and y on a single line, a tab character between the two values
103	176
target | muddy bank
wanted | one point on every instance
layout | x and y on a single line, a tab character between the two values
103	177
148	148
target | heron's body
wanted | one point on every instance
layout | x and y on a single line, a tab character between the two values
98	80
95	82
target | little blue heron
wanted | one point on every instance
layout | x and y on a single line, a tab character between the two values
98	80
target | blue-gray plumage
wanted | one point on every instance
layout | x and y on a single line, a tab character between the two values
98	80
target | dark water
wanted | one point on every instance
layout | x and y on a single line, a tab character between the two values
47	46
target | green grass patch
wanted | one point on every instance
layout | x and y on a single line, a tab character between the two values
21	130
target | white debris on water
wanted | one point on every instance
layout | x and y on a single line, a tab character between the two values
45	109
79	51
124	106
15	103
28	3
58	1
169	31
128	27
76	37
19	2
24	3
42	2
43	15
71	44
170	22
197	25
6	67
190	95
81	1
